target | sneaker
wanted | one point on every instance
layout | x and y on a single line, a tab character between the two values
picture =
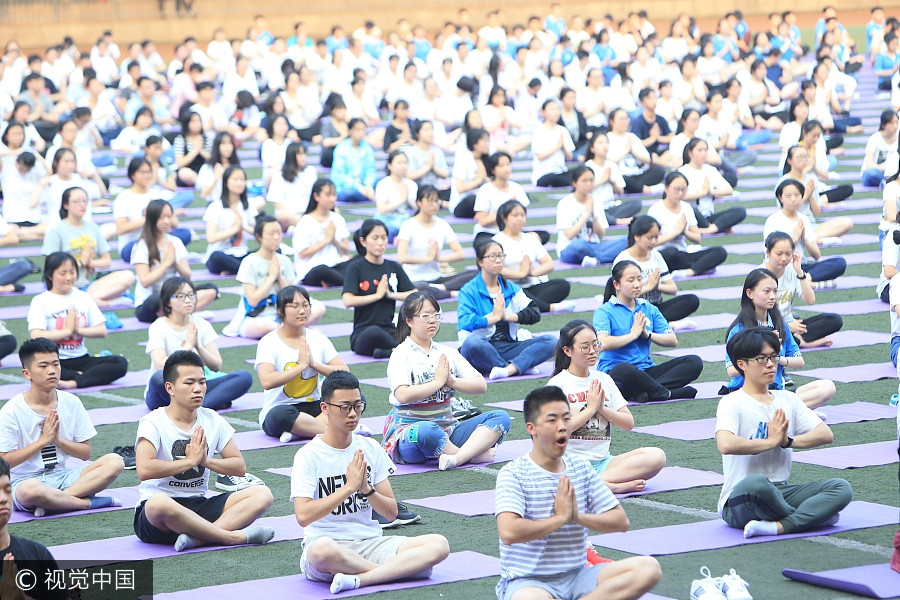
788	382
588	261
404	517
831	241
233	483
734	587
894	401
128	456
828	284
4	330
566	306
463	409
113	321
594	558
363	430
679	273
683	325
707	588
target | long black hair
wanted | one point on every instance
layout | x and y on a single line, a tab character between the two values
689	147
152	214
617	271
413	304
640	226
747	316
567	340
317	189
289	170
225	193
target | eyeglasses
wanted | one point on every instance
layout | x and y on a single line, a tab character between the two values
678	189
762	360
78	201
357	407
185	297
295	306
588	346
430	318
495	257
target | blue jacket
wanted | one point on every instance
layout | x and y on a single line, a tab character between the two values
353	167
475	304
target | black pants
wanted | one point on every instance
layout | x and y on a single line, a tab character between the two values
550	292
324	276
821	325
326	159
373	338
148	310
825	269
833	140
555	180
656	381
724	220
8	345
836	194
699	262
466	207
679	307
280	419
634	184
90	370
310	132
626	210
451	283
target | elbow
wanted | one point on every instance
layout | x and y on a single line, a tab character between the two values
621	524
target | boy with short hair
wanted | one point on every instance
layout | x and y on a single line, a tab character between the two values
175	452
337	480
546	501
40	429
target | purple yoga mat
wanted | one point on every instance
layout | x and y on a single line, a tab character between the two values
258	440
851	307
849	239
127	548
130	379
715	534
704	429
127	495
850	457
872	257
725	270
734	292
473	504
872	581
459	566
133	414
854	373
841	339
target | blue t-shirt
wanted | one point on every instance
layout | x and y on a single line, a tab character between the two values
789	347
614	318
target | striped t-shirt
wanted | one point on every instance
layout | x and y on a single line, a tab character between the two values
525	489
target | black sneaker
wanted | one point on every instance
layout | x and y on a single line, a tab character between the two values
128	456
788	382
404	517
233	483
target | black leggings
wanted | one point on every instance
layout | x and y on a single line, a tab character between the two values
821	325
634	184
88	371
555	180
550	292
699	262
281	418
325	276
450	283
372	338
836	194
656	381
310	132
833	140
466	207
8	345
679	307
723	220
626	210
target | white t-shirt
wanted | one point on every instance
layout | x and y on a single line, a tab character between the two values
20	426
387	191
464	169
628	165
778	221
890	193
695	184
890	255
17	192
515	250
319	467
309	231
140	255
52	197
171	443
668	220
591	440
542	138
490	198
272	155
568	212
420	238
207	177
292	195
254	270
161	335
788	289
306	387
647	267
879	149
223	217
48	311
410	364
604	193
132	206
748	418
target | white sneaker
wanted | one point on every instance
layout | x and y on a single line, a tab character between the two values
363	430
233	483
679	273
566	306
828	284
831	241
4	330
288	437
734	587
588	261
707	588
683	325
820	414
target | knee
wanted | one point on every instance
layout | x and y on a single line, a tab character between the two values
646	570
438	547
262	496
472	344
621	371
112	464
243	380
322	551
430	438
691	302
498	420
827	388
31	492
160	506
694	364
118	365
657	457
842	490
719	252
754	483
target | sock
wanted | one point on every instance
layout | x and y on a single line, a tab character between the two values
446	461
343	582
498	373
103	501
533	371
39	511
754	528
258	534
683	392
185	542
382	352
287	437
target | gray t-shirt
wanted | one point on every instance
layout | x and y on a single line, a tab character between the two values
64	237
417	159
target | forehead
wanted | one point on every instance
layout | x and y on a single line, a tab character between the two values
190	372
346	396
585	335
45	357
553	408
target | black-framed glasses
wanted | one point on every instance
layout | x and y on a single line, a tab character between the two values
495	256
296	306
183	297
357	407
762	360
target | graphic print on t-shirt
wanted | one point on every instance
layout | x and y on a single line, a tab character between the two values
590	430
179	451
355	503
49	457
300	387
73	341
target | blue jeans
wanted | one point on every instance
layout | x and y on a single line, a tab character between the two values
484	355
351	195
423	441
827	268
872	177
181	233
182	200
751	138
895	347
220	392
605	251
15	271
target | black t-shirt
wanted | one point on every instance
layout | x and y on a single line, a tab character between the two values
641	128
29	555
361	279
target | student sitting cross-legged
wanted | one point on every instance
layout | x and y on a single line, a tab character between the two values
175	453
756	429
343	543
40	429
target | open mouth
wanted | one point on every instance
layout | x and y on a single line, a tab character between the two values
562	441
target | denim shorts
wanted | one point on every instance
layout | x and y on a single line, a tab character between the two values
569	585
59	478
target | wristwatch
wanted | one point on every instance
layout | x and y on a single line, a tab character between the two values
370	492
788	443
801	278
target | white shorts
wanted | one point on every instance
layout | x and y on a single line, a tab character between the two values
376	549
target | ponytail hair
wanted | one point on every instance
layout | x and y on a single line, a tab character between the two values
640	226
617	271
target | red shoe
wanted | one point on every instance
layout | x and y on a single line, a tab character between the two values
593	558
895	559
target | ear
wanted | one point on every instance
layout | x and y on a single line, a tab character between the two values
26	374
170	387
529	427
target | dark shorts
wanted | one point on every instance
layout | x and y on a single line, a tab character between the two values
208	508
281	418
